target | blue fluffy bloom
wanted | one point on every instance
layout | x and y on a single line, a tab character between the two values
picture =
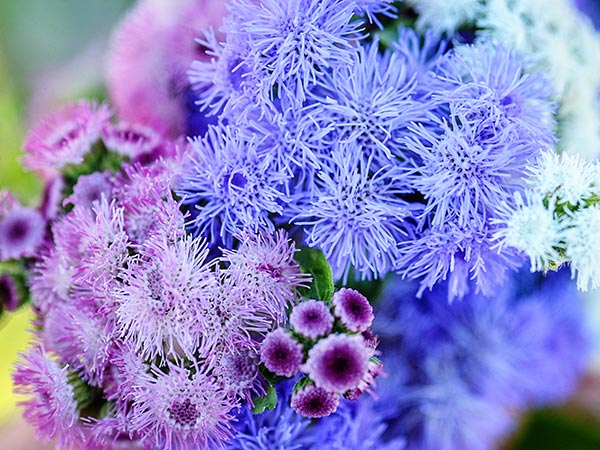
230	184
356	215
369	103
356	425
466	367
292	43
495	118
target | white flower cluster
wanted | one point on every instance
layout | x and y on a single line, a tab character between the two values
558	219
559	39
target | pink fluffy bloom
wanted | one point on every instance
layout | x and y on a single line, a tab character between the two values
7	202
150	53
21	233
314	402
80	338
50	405
163	296
64	137
181	409
131	140
339	362
264	265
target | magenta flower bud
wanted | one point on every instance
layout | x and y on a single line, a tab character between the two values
353	309
281	354
311	319
9	297
314	402
339	362
21	233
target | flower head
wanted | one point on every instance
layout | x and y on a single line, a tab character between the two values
291	43
89	189
353	309
21	233
230	185
161	300
311	319
356	216
338	363
64	137
181	409
50	404
281	353
314	402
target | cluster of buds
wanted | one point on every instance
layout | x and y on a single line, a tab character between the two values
332	344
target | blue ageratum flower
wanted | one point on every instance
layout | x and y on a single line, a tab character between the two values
461	370
369	103
292	43
494	119
230	184
356	425
372	8
356	215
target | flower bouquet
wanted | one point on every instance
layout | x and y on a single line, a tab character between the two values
308	224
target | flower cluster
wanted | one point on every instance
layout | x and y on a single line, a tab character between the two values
332	344
555	222
187	263
141	334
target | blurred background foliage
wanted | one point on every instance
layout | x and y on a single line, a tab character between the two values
52	51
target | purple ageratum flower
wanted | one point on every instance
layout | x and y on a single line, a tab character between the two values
181	408
149	207
281	353
311	319
9	296
90	189
314	402
224	85
80	338
50	405
131	140
339	362
52	197
238	372
292	43
230	185
353	309
21	233
160	303
64	137
264	269
157	38
356	216
369	103
499	119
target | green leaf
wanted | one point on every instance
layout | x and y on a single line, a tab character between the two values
312	261
266	402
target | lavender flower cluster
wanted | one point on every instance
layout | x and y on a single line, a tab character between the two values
188	260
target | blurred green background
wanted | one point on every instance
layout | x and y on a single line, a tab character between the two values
52	51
